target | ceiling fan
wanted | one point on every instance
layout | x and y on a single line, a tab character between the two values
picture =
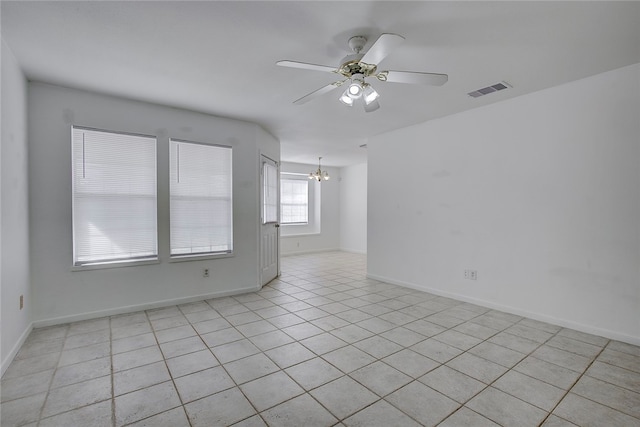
359	66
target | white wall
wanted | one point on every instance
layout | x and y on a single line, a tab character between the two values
540	194
328	239
61	294
14	233
353	208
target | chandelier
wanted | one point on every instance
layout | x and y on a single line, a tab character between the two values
319	175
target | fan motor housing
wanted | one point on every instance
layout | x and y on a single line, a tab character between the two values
351	65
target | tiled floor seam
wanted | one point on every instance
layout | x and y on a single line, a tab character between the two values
463	406
308	392
111	369
379	397
164	359
219	364
417	420
390	294
509	369
72	409
573	385
236	385
471	397
587	398
44	403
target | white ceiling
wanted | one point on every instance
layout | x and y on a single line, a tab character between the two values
219	57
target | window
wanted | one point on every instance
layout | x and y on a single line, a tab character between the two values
294	201
269	193
114	197
201	199
300	204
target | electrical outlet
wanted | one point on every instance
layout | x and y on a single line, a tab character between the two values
205	272
471	274
21	302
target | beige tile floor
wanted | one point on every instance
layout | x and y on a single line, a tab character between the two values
321	346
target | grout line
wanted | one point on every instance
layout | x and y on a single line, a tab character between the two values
576	381
236	385
113	390
55	370
344	279
168	371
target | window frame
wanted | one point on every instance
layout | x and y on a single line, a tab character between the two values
265	217
201	255
120	262
282	186
313	226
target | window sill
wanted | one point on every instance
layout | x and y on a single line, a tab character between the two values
185	258
299	235
118	264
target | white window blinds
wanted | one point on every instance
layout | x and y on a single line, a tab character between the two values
269	193
294	201
114	197
201	199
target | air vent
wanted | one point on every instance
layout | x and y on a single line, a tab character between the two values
489	89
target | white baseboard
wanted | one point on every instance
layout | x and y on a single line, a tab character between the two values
15	349
310	251
589	329
353	251
139	307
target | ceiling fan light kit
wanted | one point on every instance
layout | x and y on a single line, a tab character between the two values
355	68
359	89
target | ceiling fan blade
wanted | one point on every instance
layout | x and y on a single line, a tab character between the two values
412	77
316	93
372	106
381	48
306	66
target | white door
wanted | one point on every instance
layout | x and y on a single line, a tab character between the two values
270	227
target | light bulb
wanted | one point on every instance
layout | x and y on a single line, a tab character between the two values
356	87
355	90
346	99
